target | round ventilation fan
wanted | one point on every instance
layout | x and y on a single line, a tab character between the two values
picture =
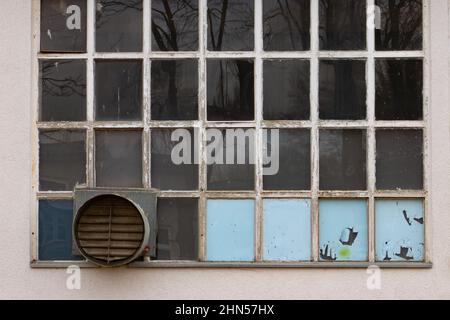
110	231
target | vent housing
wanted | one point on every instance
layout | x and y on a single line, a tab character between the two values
114	227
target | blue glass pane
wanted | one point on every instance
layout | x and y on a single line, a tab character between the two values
343	230
55	230
230	230
399	231
287	230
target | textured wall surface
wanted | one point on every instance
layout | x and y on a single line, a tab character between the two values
18	280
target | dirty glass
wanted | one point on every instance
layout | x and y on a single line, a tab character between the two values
174	90
63	25
342	24
118	158
177	237
175	25
62	90
173	159
62	159
118	90
399	230
230	25
342	90
399	89
118	26
286	25
230	230
399	159
286	229
342	159
343	232
224	149
286	90
294	172
55	230
230	90
399	26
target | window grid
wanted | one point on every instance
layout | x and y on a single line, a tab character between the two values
314	124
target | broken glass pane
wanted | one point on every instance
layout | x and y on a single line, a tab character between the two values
175	25
342	93
118	90
62	159
342	25
230	25
230	230
230	90
294	161
287	230
55	230
177	229
286	25
174	90
399	230
398	25
286	89
62	90
342	159
173	159
119	26
343	230
399	89
63	25
118	158
399	161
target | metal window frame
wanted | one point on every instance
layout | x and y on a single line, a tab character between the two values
314	124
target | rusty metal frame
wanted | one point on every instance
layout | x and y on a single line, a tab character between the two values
314	124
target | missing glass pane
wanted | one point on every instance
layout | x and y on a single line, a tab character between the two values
174	90
175	25
118	90
62	90
230	90
286	90
342	160
118	26
62	159
118	158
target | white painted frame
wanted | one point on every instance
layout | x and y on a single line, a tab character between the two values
314	124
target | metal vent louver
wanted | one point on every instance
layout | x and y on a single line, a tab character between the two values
111	229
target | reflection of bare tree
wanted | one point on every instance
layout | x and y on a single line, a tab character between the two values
61	87
109	8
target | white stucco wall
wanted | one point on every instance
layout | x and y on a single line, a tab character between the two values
18	280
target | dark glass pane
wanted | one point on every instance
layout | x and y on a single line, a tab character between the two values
294	161
174	90
63	90
286	25
177	229
55	230
118	158
399	89
342	94
230	25
342	24
230	90
177	171
225	172
399	162
342	160
118	90
399	25
175	25
119	26
286	90
62	159
63	25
